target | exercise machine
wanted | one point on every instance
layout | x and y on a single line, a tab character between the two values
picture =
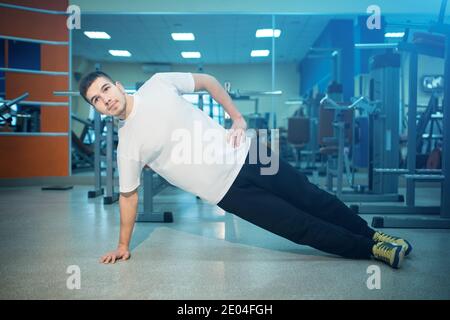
7	114
82	153
153	184
383	149
437	217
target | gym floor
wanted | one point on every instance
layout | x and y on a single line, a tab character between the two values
205	254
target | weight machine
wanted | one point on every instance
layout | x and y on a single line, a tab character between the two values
439	216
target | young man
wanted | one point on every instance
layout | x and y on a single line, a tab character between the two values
156	117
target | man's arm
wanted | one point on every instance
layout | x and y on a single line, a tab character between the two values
215	89
210	84
128	203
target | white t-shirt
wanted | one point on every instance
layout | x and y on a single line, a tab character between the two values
177	140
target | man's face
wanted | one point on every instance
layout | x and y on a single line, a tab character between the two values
106	97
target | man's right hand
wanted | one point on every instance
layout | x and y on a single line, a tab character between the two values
120	253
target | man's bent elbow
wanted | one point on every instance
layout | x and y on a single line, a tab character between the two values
203	81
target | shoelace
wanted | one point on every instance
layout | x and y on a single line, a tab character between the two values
383	251
382	235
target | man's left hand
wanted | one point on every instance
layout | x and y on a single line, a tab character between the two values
237	132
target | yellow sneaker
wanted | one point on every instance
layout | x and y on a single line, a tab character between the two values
390	253
382	237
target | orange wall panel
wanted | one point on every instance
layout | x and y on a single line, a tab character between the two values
39	86
54	58
25	24
54	119
58	5
24	157
38	156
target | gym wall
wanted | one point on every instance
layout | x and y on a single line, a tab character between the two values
245	77
36	155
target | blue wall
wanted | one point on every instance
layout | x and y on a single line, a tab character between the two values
24	55
316	71
21	55
366	35
337	34
2	65
341	34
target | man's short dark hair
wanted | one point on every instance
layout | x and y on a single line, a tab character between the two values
87	81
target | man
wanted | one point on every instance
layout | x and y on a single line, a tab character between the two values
155	119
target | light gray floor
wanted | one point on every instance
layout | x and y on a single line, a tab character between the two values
205	254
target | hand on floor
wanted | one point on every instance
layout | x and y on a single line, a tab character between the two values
119	254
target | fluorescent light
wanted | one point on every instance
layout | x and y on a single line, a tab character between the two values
394	34
268	33
260	53
191	55
120	53
97	35
295	102
183	36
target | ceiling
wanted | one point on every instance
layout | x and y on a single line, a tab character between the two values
221	38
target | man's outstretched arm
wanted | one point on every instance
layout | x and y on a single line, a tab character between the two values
128	203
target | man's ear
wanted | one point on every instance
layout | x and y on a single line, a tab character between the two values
120	86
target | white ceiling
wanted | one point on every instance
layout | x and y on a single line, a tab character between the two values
301	7
221	38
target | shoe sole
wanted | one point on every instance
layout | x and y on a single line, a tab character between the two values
408	251
399	256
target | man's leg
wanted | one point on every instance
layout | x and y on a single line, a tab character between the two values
294	187
266	210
